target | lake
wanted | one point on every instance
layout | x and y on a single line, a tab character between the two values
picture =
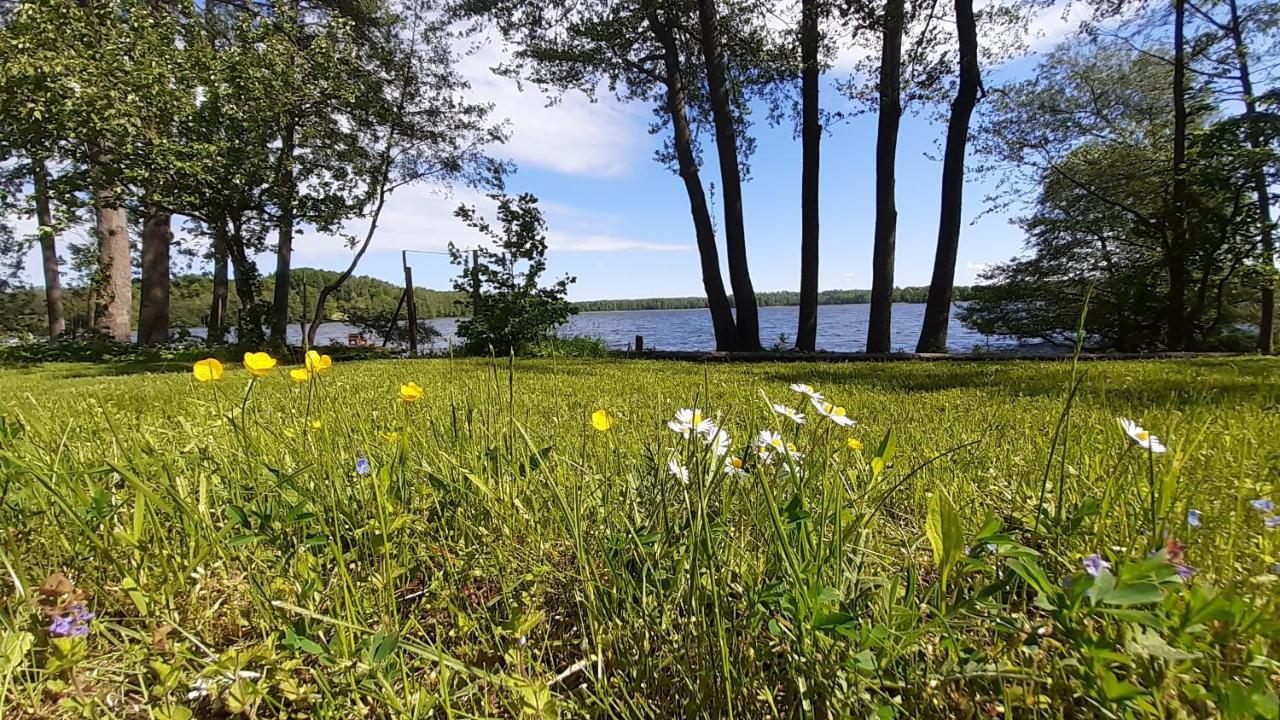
840	328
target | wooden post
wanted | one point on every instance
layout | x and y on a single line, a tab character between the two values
302	324
412	307
475	282
639	343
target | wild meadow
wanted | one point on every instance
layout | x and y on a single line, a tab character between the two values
479	538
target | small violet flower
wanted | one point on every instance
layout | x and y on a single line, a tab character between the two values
362	466
1193	518
1185	571
76	624
1263	505
1272	522
1094	565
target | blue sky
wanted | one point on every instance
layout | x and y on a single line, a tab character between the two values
620	222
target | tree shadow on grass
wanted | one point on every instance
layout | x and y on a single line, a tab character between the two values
1250	382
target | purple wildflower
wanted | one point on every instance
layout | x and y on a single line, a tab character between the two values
1094	565
1263	505
1272	522
1185	571
75	624
61	626
81	615
1193	518
362	466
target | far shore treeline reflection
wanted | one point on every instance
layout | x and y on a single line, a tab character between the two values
189	300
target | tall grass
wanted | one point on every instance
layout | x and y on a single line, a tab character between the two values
503	557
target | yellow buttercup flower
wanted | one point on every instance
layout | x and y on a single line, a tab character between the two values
316	424
854	444
410	392
259	363
207	370
392	437
300	375
317	363
601	420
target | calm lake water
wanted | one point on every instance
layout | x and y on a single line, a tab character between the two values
840	328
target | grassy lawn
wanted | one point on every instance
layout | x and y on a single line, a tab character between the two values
498	556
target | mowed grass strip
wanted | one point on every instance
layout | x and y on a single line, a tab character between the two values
321	548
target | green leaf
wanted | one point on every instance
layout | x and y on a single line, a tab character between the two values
14	646
946	536
884	454
1138	593
381	646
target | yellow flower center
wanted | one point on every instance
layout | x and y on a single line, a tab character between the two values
736	463
1143	436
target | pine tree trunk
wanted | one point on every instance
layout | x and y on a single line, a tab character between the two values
1267	324
1178	335
722	323
879	326
216	333
937	311
113	287
744	295
153	307
284	246
811	138
48	249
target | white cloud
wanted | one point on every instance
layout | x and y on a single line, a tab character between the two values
577	242
1055	24
572	135
421	218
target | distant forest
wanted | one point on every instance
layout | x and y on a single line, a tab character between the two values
770	299
23	310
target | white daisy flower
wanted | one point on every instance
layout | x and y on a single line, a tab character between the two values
733	467
787	412
834	413
770	444
1140	437
690	421
770	440
806	390
718	440
678	471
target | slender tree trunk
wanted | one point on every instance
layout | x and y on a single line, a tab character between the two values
284	246
937	310
48	249
1267	325
744	296
153	308
113	287
337	283
879	326
726	332
810	139
217	325
1176	257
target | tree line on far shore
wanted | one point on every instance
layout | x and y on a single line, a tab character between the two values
22	310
